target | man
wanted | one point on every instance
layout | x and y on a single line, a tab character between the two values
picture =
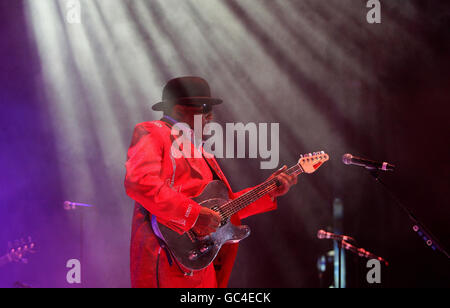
162	186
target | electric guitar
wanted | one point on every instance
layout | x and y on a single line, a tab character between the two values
194	252
18	251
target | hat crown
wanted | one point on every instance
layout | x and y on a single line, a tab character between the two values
185	87
187	90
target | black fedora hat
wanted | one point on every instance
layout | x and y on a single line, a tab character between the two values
187	90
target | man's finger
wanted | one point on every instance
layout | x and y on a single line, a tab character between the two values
217	217
292	179
288	179
279	171
214	223
285	178
284	183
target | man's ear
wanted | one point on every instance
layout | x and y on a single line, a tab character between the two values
170	110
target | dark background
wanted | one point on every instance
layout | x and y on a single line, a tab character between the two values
395	111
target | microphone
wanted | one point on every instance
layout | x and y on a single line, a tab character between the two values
362	252
349	159
322	234
68	206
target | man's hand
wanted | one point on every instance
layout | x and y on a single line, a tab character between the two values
207	222
285	180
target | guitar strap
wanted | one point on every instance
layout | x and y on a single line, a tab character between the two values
162	244
154	224
214	173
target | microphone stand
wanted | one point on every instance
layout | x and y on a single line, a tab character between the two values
340	253
81	207
361	252
344	244
418	227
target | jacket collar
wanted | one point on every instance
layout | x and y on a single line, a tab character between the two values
184	127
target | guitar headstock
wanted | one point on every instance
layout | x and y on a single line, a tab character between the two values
20	248
312	161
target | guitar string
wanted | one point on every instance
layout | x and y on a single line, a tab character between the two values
228	213
248	200
235	205
260	191
252	196
237	208
240	203
247	196
244	202
255	193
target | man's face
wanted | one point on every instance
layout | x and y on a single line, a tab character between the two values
186	113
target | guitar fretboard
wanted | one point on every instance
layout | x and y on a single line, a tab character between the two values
232	207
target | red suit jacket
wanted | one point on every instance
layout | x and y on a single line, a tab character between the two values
162	184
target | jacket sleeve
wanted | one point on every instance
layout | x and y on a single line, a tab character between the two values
262	205
144	184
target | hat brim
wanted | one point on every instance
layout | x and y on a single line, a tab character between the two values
194	101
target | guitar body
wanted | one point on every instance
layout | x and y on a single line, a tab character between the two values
196	253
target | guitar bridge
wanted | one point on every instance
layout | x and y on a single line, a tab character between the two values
195	254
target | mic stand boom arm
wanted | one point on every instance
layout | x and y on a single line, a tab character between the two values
361	252
418	227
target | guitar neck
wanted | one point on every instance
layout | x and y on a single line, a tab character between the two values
234	206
